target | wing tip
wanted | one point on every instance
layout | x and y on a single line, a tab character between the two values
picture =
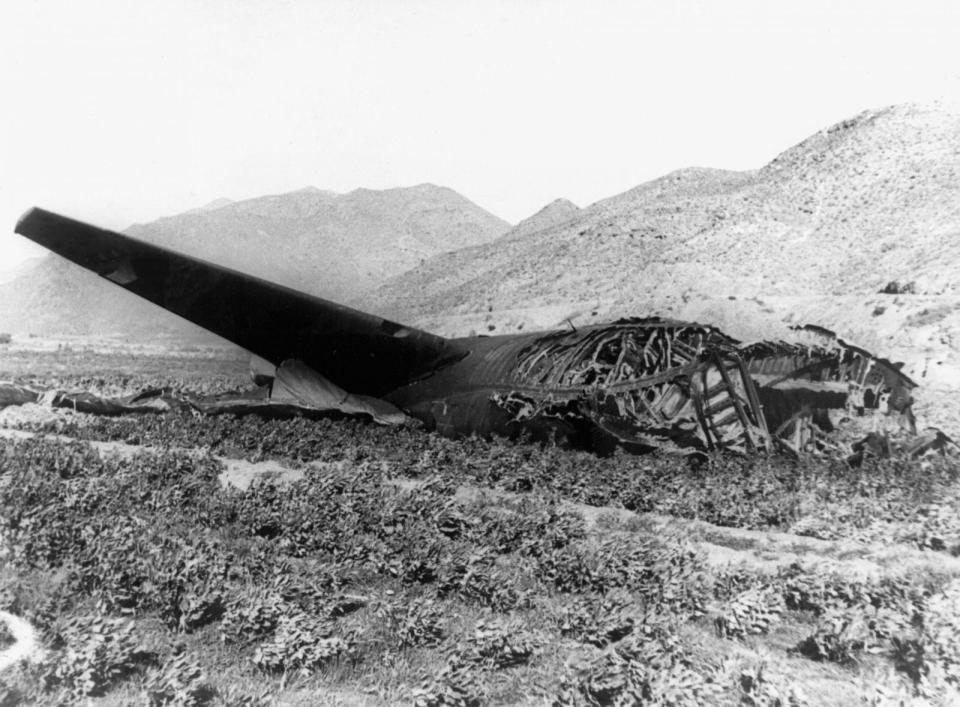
23	223
64	236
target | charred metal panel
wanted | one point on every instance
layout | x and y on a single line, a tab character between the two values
647	383
829	359
826	374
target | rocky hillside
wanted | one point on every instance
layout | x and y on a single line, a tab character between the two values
814	235
557	212
8	274
332	245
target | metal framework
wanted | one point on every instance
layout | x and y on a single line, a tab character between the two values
646	382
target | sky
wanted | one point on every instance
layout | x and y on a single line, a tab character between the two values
121	112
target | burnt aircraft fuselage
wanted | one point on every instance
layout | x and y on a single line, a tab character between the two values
651	383
637	383
640	384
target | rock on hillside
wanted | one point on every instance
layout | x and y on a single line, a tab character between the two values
873	199
331	245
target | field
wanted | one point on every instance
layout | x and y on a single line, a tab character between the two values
159	564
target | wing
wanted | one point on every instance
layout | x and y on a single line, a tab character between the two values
360	352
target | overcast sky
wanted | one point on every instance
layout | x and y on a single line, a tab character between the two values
121	112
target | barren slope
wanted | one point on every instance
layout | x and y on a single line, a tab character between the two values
812	236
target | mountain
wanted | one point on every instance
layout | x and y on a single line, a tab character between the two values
331	245
553	214
211	205
8	274
814	235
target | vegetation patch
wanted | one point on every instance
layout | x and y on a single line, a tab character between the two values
149	582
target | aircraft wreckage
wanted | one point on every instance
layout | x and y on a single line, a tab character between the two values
640	384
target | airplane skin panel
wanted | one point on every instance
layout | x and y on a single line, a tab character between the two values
360	352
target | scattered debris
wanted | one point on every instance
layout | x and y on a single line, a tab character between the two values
293	390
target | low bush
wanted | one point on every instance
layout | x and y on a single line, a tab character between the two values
91	654
180	682
752	612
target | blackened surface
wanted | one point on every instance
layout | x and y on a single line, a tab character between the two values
359	352
779	405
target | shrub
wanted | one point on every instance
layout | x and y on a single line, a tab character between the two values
302	643
250	618
752	612
181	682
416	622
458	684
501	643
941	627
599	620
760	689
839	636
95	654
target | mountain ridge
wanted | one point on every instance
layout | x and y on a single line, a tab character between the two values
815	235
327	244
